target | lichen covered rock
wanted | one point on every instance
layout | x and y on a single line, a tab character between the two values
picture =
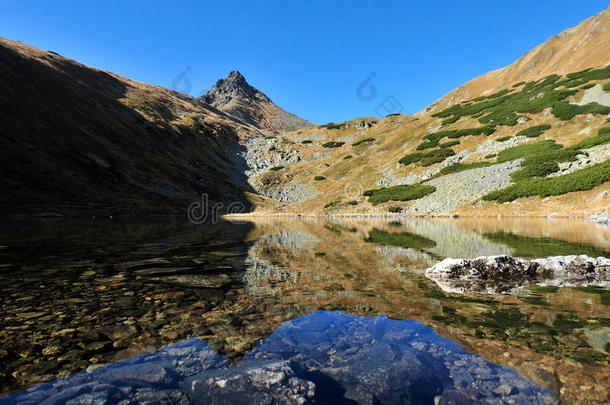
500	274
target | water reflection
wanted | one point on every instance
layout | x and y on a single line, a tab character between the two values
78	295
323	357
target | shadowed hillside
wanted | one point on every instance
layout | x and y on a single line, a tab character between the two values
76	139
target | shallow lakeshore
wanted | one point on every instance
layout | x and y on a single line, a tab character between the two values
83	294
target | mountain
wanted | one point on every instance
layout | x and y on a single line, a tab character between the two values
235	96
585	46
77	140
529	139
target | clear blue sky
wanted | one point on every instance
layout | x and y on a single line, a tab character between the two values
307	56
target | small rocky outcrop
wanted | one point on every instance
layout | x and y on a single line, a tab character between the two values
500	274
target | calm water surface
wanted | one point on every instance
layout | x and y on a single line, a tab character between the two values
110	311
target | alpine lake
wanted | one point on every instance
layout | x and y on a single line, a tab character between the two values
293	310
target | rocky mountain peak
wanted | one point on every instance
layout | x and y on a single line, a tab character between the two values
233	87
237	97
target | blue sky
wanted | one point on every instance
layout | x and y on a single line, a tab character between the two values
307	56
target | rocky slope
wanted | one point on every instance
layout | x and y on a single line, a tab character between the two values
529	139
235	96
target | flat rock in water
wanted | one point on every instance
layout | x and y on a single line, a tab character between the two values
500	274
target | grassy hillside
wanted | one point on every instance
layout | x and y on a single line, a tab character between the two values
541	125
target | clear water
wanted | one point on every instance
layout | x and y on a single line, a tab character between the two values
106	297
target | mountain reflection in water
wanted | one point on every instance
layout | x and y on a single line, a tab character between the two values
326	357
77	295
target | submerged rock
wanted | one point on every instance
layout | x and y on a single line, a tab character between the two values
500	274
273	383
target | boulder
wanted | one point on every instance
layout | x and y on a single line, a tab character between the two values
500	274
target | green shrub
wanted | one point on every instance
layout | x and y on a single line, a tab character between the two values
541	164
353	202
333	229
391	115
606	86
399	193
427	159
487	130
533	132
319	178
449	120
347	157
460	167
504	138
491	156
333	144
580	180
449	144
411	158
271	137
591	74
502	108
544	164
368	193
573	82
427	145
360	142
402	239
276	168
602	137
529	149
395	209
331	125
587	86
541	169
306	141
566	111
332	203
458	133
436	156
499	94
518	84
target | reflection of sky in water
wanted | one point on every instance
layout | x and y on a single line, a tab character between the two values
326	357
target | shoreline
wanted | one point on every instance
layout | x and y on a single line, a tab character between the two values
390	215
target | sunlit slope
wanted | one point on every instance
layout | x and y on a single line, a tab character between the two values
529	144
585	46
